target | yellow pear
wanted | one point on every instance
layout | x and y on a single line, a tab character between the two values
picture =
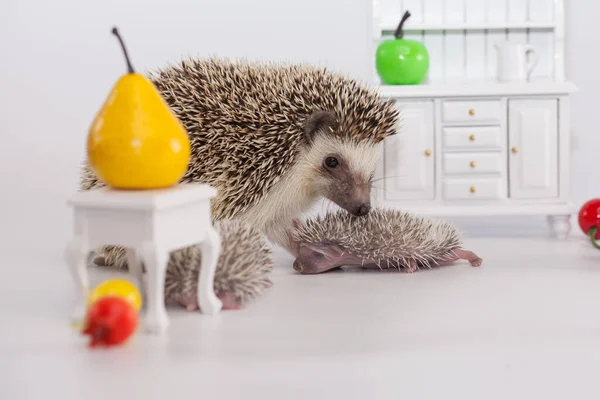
135	141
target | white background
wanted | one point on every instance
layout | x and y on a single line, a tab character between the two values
58	62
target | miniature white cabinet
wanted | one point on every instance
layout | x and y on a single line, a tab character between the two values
503	152
467	143
533	140
404	153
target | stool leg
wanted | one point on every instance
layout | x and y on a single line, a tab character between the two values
208	301
155	260
76	257
135	268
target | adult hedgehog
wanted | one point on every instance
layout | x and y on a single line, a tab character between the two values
274	139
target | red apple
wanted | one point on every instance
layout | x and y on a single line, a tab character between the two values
111	320
589	220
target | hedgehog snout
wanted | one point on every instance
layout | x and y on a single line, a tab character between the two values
362	210
357	208
298	266
314	258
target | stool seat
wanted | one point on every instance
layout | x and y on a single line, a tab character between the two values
150	224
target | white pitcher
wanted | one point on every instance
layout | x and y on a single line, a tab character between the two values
515	61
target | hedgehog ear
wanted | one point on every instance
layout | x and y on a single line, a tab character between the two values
319	121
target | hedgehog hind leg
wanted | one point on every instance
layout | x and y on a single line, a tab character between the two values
468	255
462	254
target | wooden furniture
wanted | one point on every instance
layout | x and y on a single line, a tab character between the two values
150	224
468	144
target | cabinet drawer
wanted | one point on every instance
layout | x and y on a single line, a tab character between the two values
468	189
472	163
472	138
472	110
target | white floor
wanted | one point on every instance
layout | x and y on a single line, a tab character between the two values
525	325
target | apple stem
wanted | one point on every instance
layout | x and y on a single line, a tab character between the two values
115	32
592	236
399	32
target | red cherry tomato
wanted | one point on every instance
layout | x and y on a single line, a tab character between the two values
111	320
589	220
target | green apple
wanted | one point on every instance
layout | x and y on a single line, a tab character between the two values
402	61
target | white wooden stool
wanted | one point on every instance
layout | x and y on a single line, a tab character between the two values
149	224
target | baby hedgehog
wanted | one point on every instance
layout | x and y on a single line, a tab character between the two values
384	238
242	272
273	139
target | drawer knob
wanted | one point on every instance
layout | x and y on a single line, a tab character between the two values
472	138
471	112
515	149
473	164
472	189
427	152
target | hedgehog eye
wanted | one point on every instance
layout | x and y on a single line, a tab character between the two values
331	162
318	254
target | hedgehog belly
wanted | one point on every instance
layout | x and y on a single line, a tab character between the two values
382	239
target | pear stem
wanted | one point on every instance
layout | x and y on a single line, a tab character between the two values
399	32
115	32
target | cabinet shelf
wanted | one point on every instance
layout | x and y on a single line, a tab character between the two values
476	87
390	27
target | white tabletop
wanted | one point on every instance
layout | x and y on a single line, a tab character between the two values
152	199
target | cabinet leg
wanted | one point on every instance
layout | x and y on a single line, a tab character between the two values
560	225
76	256
134	264
208	301
155	260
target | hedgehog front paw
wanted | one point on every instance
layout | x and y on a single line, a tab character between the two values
411	267
476	262
230	301
468	255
